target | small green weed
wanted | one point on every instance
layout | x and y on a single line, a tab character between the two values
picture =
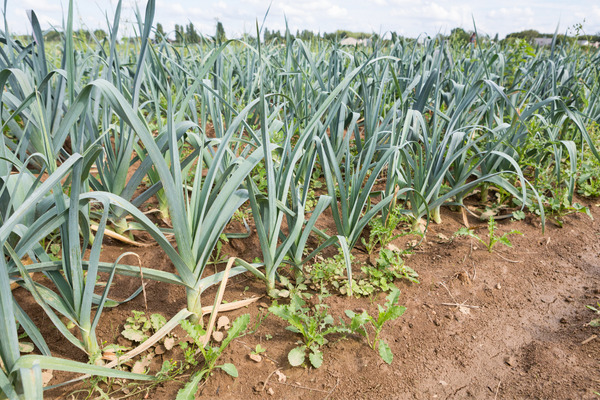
258	350
331	273
557	206
493	238
363	323
390	266
139	327
210	354
312	323
596	321
382	231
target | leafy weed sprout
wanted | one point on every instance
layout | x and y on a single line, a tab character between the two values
493	237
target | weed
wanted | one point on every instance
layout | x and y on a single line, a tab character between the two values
139	327
363	323
242	215
258	349
209	353
314	324
330	271
217	257
390	266
493	238
557	206
382	230
596	321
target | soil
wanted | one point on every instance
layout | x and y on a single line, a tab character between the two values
521	331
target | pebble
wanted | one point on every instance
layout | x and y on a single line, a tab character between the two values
510	361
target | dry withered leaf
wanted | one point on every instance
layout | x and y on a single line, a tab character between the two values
280	376
140	366
464	310
46	377
393	247
218	336
222	322
26	347
109	356
169	343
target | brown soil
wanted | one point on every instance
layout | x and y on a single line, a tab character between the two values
519	338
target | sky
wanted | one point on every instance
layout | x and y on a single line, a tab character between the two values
406	17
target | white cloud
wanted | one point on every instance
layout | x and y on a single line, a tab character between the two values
408	17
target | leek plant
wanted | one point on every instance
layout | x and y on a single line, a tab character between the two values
352	184
20	376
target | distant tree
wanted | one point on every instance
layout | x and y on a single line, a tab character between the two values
527	35
100	34
160	33
306	35
220	34
191	36
179	34
459	36
342	34
53	36
83	34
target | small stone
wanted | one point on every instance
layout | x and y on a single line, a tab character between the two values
464	278
436	322
510	361
498	286
443	383
258	387
160	349
547	299
255	357
563	320
270	392
263	305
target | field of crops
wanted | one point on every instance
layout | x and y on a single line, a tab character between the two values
228	218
